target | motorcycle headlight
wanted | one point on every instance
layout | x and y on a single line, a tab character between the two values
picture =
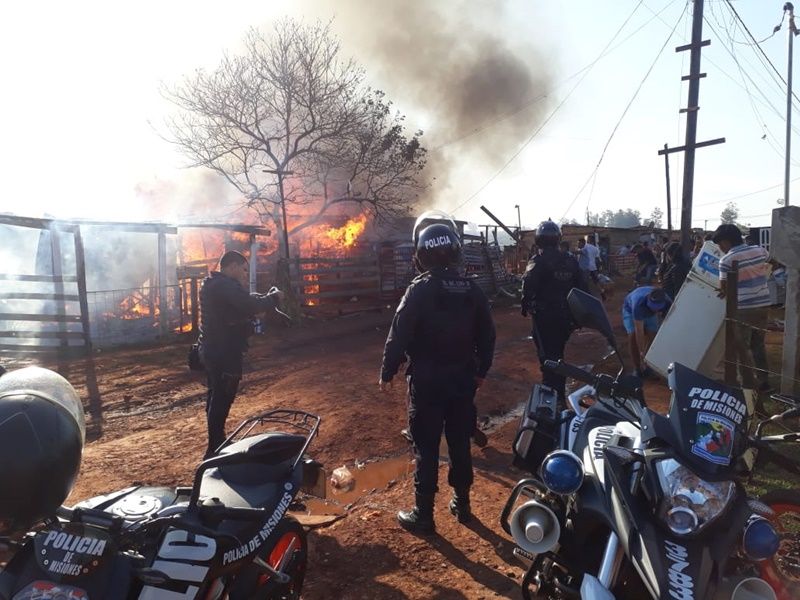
690	503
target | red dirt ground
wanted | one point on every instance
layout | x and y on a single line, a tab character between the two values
146	424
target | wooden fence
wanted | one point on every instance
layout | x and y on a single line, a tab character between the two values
335	280
53	316
383	274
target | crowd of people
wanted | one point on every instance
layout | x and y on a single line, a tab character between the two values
662	270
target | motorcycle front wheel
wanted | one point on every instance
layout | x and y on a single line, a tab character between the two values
289	554
782	571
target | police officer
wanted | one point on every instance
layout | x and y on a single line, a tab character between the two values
444	326
549	277
226	309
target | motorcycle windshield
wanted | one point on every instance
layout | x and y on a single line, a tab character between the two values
708	422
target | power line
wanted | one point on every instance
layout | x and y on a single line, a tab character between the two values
757	45
767	135
519	151
748	194
728	75
625	112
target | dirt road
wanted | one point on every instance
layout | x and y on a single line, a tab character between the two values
146	424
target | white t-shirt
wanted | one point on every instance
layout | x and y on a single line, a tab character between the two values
588	259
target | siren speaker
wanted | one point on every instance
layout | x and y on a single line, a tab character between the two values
753	588
535	527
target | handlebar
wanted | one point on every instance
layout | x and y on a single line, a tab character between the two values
790	413
568	370
604	384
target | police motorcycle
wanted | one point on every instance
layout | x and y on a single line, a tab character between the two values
627	503
226	536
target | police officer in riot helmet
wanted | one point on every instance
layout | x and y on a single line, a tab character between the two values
549	277
443	325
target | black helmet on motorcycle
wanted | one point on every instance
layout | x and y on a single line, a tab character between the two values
437	246
548	234
42	431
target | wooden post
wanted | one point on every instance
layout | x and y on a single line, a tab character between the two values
57	270
731	316
163	321
80	268
253	263
195	297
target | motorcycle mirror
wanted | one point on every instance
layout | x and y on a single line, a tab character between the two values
588	311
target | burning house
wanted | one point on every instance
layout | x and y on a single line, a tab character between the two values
72	285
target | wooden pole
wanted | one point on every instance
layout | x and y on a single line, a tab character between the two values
669	194
193	292
80	268
163	321
253	263
58	271
731	316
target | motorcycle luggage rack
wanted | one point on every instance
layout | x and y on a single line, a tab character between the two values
298	419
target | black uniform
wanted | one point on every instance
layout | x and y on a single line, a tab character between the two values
548	279
445	327
226	312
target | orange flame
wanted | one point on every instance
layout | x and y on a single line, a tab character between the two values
348	234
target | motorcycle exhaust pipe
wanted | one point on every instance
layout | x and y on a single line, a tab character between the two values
745	588
535	527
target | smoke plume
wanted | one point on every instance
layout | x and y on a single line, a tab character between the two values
466	66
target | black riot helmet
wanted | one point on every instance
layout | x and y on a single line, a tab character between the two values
42	431
548	234
437	246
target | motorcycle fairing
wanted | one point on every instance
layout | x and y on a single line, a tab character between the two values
706	426
109	579
670	566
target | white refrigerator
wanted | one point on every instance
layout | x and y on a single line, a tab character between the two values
692	332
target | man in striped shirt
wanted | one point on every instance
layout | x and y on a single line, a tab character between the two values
753	302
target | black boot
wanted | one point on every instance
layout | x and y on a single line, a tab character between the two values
420	518
459	505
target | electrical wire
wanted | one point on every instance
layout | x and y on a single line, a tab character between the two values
625	112
729	4
767	135
722	70
552	114
748	194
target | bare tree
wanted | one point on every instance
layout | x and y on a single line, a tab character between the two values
290	121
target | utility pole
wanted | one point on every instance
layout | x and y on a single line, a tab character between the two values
788	7
691	144
669	195
519	218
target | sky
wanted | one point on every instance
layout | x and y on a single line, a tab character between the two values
83	115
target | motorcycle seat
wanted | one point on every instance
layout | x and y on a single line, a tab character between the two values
267	461
267	457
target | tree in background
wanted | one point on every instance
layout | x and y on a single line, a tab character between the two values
290	122
657	217
621	218
730	214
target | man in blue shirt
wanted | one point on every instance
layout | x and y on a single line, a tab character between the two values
640	318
